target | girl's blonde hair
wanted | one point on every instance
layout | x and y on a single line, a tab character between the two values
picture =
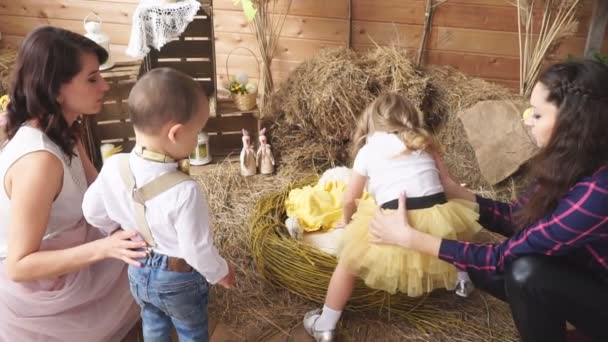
393	113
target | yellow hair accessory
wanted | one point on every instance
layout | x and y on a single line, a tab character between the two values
4	100
528	113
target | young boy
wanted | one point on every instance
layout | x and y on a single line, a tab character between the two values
143	191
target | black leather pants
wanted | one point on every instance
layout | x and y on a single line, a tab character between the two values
544	293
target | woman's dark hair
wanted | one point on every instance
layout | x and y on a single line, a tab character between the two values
579	142
48	57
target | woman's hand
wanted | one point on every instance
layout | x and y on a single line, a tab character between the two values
118	245
393	228
452	188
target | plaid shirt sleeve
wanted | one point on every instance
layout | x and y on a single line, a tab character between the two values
497	216
580	217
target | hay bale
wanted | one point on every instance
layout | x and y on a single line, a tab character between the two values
390	69
8	57
324	95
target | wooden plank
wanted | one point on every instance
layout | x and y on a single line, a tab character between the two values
221	145
119	55
249	65
476	65
369	33
453	14
122	72
287	49
12	41
295	26
449	39
230	123
308	8
72	9
124	1
186	49
114	130
502	3
199	27
450	14
114	111
119	91
597	30
196	69
21	26
226	107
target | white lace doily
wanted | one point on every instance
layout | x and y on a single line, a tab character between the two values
156	23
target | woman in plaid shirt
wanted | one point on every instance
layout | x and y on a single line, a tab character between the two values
553	266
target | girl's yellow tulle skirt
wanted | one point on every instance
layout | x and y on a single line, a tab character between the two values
392	268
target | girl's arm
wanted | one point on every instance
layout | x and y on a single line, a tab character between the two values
32	184
493	215
355	188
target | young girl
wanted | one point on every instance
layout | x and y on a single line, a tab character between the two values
393	153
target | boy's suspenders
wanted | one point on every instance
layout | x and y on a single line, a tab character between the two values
145	193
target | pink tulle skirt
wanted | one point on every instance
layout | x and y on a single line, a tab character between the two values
93	304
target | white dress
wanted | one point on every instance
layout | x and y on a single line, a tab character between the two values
92	304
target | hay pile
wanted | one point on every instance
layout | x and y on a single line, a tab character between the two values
8	57
315	110
317	96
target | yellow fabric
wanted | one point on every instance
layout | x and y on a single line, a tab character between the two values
318	207
392	268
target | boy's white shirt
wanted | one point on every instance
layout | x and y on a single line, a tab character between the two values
178	218
389	173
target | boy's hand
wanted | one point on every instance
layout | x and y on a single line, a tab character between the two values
228	280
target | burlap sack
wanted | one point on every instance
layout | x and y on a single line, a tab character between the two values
498	136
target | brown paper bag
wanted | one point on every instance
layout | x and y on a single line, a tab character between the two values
499	137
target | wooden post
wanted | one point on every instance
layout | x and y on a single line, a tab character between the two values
350	25
428	14
597	28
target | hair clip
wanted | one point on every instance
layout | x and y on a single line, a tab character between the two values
527	115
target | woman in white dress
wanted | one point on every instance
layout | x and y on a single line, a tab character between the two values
60	280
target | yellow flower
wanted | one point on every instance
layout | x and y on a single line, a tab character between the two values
4	100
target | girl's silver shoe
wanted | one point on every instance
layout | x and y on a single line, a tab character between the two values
310	319
464	288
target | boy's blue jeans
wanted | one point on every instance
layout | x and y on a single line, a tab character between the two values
170	299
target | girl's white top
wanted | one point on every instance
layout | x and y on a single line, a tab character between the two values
390	170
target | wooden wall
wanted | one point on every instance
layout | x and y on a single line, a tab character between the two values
478	37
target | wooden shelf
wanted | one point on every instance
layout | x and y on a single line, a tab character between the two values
224	129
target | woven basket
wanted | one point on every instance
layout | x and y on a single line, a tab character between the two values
244	102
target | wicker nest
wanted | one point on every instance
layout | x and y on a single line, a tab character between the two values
306	271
